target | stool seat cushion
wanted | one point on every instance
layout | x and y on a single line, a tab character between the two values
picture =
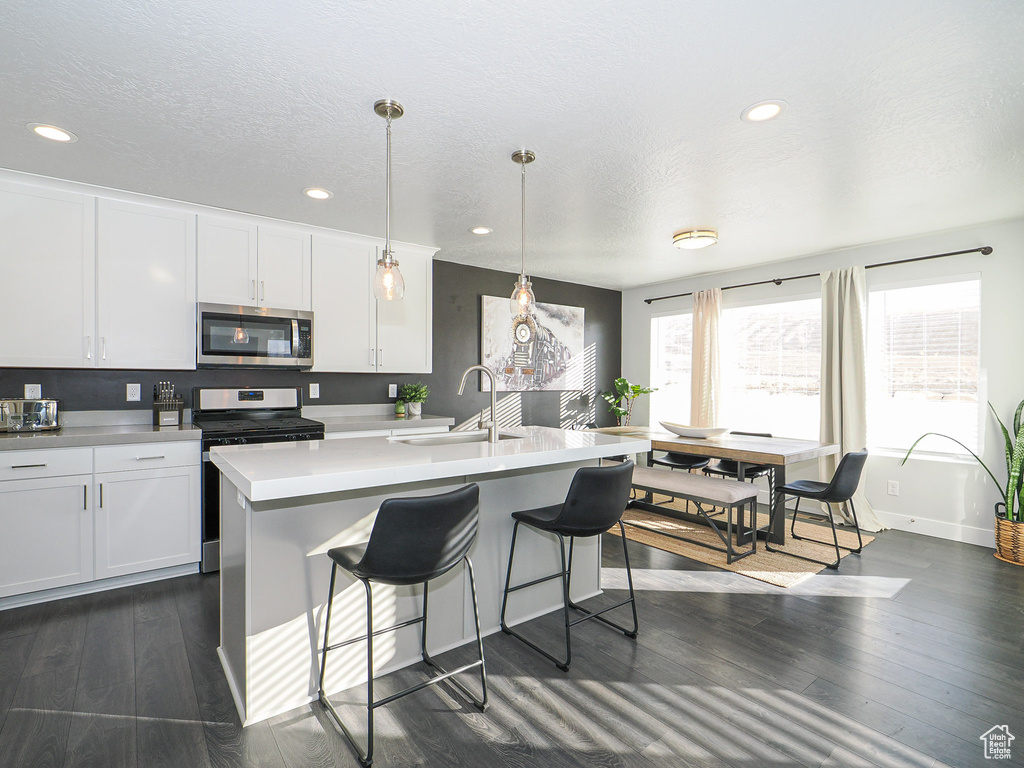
348	557
809	489
546	519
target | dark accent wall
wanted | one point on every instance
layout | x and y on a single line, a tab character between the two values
457	292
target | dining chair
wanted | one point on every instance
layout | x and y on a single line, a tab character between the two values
838	490
730	468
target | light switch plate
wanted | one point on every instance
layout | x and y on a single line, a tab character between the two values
892	488
392	390
240	498
314	391
33	391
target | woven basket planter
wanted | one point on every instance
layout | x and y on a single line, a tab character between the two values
1009	538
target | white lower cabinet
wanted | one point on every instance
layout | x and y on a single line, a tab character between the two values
146	519
62	522
46	524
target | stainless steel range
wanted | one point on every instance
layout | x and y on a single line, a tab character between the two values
239	417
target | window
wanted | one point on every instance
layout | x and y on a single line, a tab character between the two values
771	368
923	352
671	343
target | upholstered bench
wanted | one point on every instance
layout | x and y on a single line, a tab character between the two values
730	495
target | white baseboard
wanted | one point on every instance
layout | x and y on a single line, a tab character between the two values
983	537
100	585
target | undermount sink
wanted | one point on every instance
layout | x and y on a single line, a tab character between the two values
453	438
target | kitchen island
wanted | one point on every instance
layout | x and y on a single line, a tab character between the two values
283	505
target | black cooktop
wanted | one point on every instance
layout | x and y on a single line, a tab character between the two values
251	424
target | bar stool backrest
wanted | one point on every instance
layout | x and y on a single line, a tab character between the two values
415	539
846	479
596	500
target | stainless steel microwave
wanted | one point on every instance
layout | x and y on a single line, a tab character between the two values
248	337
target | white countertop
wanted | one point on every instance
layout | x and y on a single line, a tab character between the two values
359	422
288	470
116	434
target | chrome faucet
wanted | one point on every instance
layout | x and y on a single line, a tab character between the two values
492	425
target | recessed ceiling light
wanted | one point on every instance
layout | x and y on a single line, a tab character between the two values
764	110
481	230
53	132
692	239
317	193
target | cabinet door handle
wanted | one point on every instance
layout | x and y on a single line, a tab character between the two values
27	466
146	458
88	347
101	495
380	357
85	497
104	342
373	357
263	289
253	297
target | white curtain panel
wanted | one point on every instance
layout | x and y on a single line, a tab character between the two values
704	375
844	298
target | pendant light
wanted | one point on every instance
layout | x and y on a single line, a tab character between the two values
522	301
388	284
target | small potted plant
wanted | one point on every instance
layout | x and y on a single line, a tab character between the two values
400	409
413	395
1009	521
628	392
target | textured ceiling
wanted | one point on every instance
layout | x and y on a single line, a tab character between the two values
903	118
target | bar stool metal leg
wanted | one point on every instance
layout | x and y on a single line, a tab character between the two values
631	633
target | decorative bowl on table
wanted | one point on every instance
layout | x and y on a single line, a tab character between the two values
684	430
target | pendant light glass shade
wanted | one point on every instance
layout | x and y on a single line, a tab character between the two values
522	300
388	284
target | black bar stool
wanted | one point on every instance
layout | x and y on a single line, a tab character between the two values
837	491
596	500
413	541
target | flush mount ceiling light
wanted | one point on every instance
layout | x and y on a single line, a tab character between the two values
53	133
481	230
524	327
318	193
692	239
388	283
762	111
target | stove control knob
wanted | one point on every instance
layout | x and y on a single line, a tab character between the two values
243	440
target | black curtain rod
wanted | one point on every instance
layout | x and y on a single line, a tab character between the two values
984	250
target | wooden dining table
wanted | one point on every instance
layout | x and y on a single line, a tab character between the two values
745	450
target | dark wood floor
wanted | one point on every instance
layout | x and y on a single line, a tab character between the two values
720	676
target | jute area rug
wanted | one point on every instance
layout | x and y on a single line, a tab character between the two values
771	567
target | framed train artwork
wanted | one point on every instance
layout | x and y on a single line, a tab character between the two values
547	359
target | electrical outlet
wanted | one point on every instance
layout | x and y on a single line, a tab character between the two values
33	391
133	393
392	390
893	488
314	391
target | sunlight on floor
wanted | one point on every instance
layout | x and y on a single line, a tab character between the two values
723	581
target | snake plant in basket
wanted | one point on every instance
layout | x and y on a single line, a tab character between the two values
1009	522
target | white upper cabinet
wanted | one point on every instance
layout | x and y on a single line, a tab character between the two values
344	311
146	287
354	333
227	261
247	264
404	328
284	268
48	253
